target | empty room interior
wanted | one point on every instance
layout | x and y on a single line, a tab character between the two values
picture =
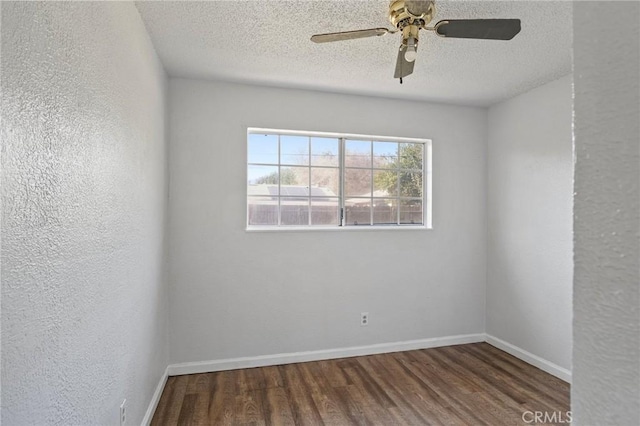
320	212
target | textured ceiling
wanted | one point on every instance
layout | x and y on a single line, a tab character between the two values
267	43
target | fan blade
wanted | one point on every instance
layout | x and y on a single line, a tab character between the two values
403	67
488	29
348	35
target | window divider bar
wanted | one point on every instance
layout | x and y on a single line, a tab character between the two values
398	199
371	172
279	185
309	182
342	211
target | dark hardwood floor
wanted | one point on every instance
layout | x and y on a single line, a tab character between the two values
473	384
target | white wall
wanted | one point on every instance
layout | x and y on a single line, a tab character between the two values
235	293
84	188
529	211
606	352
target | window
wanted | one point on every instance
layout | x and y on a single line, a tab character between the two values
324	180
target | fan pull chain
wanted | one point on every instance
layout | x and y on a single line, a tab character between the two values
400	80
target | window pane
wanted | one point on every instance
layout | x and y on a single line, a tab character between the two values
262	210
357	211
262	149
411	184
385	154
411	156
262	180
411	212
324	211
294	150
294	177
324	152
297	180
357	182
294	211
385	211
325	182
357	153
385	183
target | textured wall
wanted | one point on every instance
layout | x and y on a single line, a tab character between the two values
83	202
606	352
529	211
236	293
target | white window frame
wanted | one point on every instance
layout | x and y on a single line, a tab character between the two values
342	227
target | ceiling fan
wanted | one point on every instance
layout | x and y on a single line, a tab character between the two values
411	16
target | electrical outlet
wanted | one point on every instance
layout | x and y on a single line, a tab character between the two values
123	413
364	319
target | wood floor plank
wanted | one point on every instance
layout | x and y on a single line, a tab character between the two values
199	385
303	407
508	384
551	383
279	411
362	378
250	379
353	405
330	406
414	405
485	389
249	408
223	397
452	398
166	400
171	412
272	377
474	384
522	384
466	375
373	412
469	367
187	410
334	374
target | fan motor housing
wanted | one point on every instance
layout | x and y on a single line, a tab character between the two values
407	12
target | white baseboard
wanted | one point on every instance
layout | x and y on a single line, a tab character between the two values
146	421
290	358
528	357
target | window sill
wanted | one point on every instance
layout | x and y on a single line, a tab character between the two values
365	228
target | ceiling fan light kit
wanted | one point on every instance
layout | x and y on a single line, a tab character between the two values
410	16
